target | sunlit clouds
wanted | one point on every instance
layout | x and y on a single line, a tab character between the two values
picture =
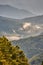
11	38
31	29
25	29
30	26
26	25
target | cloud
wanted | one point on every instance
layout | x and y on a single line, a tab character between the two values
30	29
25	30
30	26
11	38
13	31
38	27
26	25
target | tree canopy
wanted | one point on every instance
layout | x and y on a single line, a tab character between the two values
11	55
42	63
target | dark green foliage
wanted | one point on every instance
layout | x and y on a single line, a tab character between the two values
42	63
1	63
11	55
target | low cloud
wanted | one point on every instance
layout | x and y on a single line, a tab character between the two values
26	29
31	29
11	38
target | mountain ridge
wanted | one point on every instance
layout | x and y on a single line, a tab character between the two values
10	11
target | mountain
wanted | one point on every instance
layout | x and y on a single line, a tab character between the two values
24	29
12	12
35	19
37	60
31	45
7	24
35	6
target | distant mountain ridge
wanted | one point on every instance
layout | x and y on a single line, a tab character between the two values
37	19
9	11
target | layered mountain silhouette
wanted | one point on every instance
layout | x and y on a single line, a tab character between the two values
35	19
12	12
13	26
30	45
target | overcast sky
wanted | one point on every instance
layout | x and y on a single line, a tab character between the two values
34	6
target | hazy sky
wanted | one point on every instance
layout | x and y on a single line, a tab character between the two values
35	6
